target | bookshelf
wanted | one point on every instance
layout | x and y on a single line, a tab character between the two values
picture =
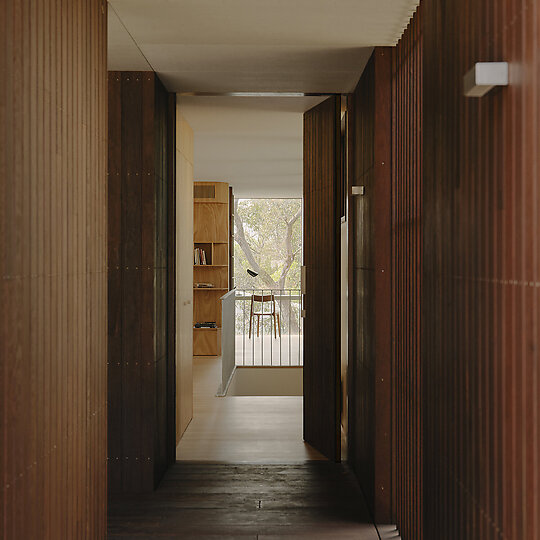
211	239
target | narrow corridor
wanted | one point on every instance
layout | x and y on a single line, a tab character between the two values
317	500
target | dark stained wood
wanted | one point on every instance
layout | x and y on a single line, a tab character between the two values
141	238
53	269
314	500
481	291
370	413
381	200
465	277
322	168
407	433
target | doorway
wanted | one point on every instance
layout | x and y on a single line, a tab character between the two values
256	145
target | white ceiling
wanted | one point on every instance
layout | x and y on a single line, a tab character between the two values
254	45
218	46
253	143
122	52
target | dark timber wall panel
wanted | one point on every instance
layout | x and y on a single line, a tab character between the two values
321	258
407	282
141	357
465	278
53	258
370	217
482	275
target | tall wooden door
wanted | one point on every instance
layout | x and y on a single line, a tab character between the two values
322	193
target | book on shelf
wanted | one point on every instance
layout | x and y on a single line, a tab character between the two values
205	325
199	256
204	285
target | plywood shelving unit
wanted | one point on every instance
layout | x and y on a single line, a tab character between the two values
211	234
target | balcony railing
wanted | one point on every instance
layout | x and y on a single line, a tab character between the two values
278	341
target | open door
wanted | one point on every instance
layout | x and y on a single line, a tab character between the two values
321	287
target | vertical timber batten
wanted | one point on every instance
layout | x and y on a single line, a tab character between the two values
53	269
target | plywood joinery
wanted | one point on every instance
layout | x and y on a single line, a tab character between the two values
211	222
211	236
212	192
207	341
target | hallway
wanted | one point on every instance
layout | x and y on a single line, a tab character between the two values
316	500
138	141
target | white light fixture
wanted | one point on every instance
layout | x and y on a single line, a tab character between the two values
483	77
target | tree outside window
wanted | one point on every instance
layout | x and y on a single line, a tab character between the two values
268	240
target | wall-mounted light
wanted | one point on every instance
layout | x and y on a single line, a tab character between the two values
483	77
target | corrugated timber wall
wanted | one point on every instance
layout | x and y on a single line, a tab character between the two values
53	263
466	277
407	281
481	274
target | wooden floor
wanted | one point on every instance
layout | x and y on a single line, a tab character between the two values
241	428
246	474
315	500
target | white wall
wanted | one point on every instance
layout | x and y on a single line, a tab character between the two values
184	274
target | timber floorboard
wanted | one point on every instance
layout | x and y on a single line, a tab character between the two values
318	500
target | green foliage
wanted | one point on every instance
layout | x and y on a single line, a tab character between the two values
273	237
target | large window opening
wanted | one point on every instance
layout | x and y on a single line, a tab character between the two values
267	261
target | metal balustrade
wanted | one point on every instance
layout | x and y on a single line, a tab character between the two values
273	346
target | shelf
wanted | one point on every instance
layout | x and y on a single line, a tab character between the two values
210	289
209	201
207	242
211	224
213	329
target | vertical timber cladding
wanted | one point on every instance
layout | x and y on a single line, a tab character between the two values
53	268
407	281
481	269
141	352
322	164
370	214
